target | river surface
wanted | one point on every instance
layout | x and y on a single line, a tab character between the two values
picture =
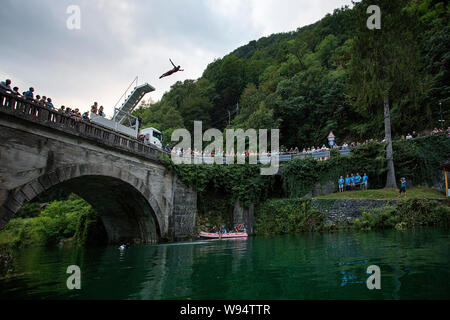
414	264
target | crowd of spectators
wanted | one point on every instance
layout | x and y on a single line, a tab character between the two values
45	101
196	153
438	131
95	109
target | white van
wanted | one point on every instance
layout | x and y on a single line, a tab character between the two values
152	136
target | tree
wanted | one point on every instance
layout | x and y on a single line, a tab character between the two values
384	65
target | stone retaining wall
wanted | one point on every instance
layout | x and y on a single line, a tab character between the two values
346	209
349	209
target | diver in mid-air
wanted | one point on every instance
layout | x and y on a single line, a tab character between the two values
175	69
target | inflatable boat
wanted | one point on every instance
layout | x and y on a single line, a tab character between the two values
208	235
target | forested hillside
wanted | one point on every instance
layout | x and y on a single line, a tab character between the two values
323	77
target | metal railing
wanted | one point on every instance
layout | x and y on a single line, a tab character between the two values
30	111
126	91
284	157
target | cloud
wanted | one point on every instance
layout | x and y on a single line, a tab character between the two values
121	39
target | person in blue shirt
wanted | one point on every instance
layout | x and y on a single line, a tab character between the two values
222	229
29	94
341	184
6	85
347	183
402	186
352	181
49	103
167	148
85	116
357	179
365	178
100	112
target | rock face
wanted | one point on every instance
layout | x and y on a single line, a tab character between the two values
346	209
137	199
244	215
324	189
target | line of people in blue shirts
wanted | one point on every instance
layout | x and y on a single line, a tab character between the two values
352	181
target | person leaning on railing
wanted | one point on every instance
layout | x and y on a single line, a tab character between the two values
16	92
29	95
86	116
100	112
77	114
49	104
6	85
42	102
94	108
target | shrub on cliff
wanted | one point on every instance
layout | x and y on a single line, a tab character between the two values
287	216
90	229
407	213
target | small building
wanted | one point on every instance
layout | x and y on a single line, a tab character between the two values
446	168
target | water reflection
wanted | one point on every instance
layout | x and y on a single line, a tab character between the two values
414	265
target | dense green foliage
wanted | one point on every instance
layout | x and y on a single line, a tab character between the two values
287	216
243	182
59	220
325	76
290	216
407	213
6	261
213	210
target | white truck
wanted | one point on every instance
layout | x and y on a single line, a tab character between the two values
152	136
124	122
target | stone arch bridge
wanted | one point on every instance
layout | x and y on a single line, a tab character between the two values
124	180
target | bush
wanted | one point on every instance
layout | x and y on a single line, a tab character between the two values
29	210
379	218
287	216
59	220
407	213
422	212
90	229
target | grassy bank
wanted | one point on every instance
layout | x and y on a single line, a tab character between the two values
411	193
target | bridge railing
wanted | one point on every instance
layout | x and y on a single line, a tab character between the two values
345	152
262	159
30	111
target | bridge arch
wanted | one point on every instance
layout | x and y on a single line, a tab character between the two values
127	207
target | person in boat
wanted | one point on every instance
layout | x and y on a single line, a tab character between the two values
213	230
170	72
222	229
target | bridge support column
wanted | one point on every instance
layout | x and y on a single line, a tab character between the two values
184	212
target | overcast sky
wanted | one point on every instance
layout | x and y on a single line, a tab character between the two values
119	40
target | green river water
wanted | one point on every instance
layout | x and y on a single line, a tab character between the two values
414	265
